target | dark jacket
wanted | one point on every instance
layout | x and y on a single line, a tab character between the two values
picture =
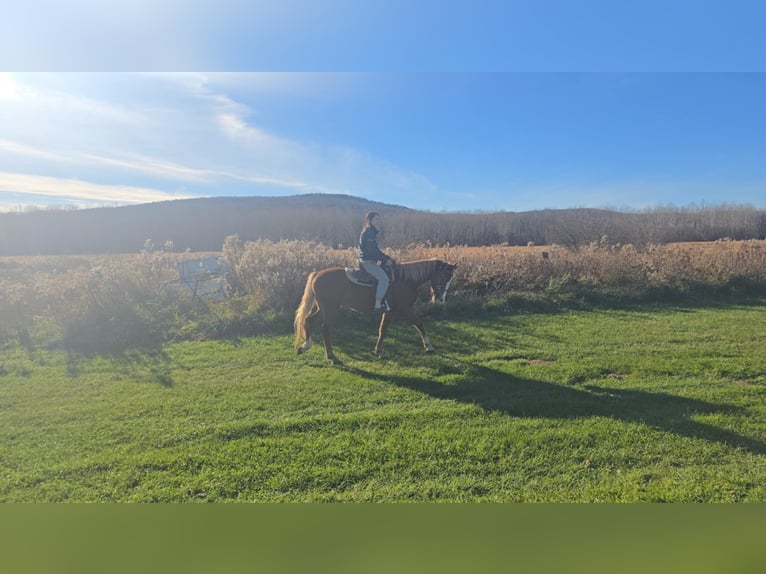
368	245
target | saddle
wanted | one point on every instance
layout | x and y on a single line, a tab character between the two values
361	277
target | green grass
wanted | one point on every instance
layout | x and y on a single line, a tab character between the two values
652	403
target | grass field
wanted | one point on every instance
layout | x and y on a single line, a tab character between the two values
649	403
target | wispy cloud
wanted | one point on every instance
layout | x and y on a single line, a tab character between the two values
7	146
179	129
157	167
308	165
76	190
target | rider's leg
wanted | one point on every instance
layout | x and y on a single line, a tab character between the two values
381	278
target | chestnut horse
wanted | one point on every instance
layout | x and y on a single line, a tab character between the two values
329	289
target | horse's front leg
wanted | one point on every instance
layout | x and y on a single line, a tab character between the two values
384	322
416	321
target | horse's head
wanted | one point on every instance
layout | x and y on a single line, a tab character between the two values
440	281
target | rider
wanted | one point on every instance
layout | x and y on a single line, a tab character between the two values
370	254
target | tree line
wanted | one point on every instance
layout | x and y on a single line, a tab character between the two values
203	224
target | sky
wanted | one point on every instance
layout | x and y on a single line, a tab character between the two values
509	106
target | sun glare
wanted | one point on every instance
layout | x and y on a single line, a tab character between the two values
10	91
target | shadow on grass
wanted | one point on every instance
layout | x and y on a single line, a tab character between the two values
145	366
355	335
496	391
353	331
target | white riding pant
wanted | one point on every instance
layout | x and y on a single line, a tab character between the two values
380	276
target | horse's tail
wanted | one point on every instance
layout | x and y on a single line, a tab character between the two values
304	309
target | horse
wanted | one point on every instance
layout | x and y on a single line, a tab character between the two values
329	289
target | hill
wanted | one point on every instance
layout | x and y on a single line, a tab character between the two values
194	224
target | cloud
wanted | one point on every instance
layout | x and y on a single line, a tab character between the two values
133	163
8	146
324	168
74	189
152	129
156	167
307	165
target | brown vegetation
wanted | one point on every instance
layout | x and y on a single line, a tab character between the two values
95	303
603	268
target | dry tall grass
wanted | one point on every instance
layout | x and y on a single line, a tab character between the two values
601	268
111	302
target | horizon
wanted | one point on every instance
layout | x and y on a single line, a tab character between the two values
440	142
657	208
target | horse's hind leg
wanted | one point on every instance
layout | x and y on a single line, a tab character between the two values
328	320
310	322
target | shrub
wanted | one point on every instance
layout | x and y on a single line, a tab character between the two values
105	304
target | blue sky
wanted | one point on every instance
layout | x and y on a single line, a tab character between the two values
437	141
512	105
384	35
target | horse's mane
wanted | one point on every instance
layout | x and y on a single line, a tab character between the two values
416	272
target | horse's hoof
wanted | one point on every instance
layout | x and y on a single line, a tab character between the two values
430	351
300	350
336	361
